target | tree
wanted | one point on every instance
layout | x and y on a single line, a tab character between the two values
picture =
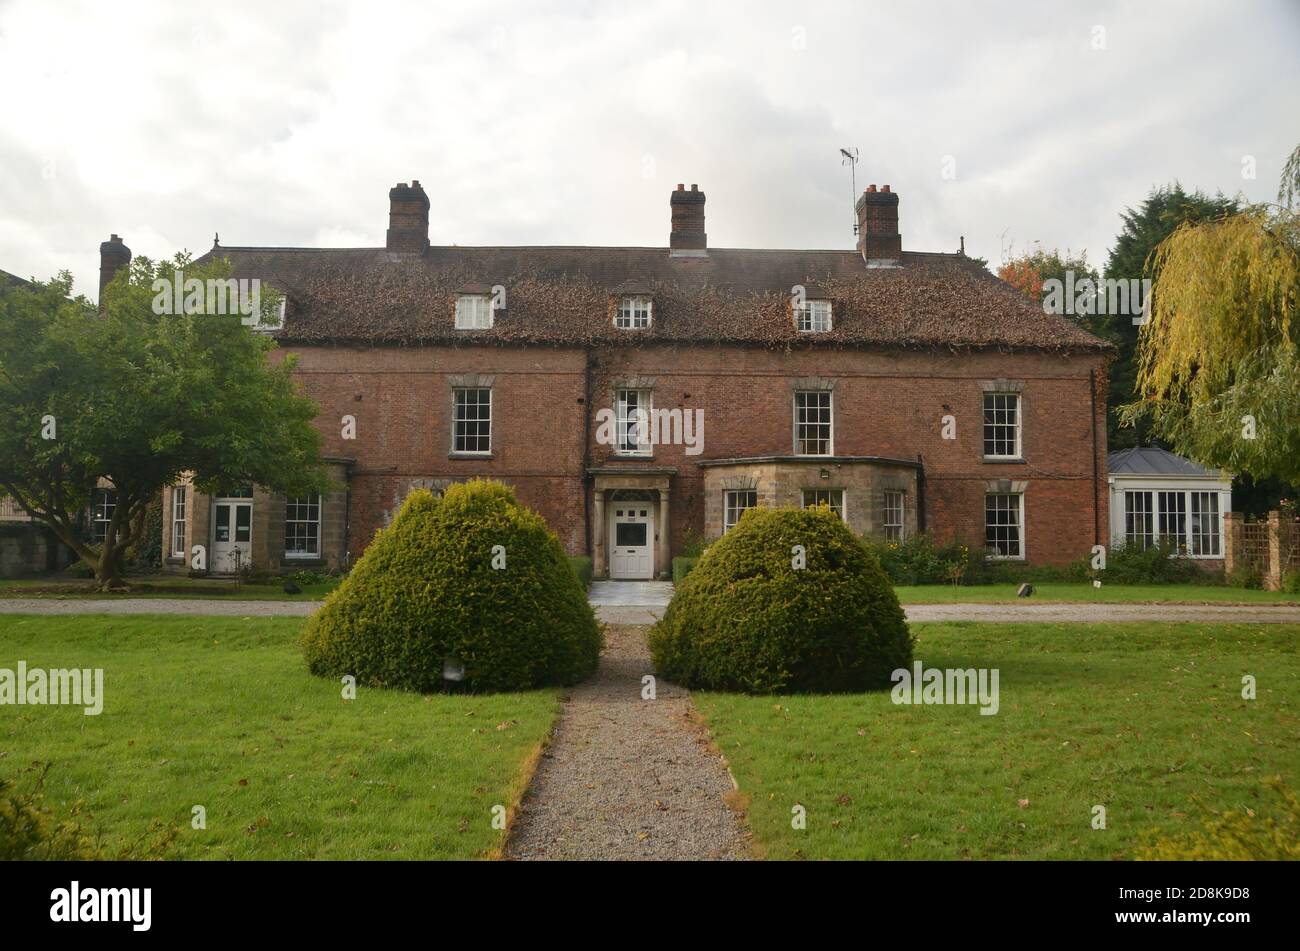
138	398
1145	227
1218	371
1031	273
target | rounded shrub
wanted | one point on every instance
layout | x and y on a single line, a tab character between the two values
469	588
746	618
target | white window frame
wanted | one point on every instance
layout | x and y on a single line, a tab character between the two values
457	420
732	512
297	502
635	312
1018	451
830	423
1160	517
180	510
887	510
830	495
623	421
990	553
474	312
814	316
1194	537
1146	512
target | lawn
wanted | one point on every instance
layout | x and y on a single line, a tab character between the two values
1106	594
221	712
1139	718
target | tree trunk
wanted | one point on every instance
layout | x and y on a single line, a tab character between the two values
108	572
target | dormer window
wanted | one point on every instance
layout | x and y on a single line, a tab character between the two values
634	312
473	312
813	316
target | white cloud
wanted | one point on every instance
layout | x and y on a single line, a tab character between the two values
570	123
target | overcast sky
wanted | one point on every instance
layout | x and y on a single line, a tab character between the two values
570	122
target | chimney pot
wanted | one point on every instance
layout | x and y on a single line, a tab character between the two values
113	256
408	218
878	237
687	232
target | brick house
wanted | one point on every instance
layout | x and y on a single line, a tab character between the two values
638	397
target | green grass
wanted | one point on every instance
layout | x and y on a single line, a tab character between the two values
1139	718
221	712
1106	594
163	586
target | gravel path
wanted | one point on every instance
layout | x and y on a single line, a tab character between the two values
1094	613
1029	613
621	611
157	606
627	778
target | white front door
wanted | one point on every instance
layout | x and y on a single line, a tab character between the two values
631	542
232	536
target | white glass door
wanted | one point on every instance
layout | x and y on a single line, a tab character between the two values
232	536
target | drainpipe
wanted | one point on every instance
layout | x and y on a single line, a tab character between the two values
586	452
920	495
1092	411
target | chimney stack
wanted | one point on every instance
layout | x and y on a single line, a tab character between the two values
408	218
878	237
687	237
113	256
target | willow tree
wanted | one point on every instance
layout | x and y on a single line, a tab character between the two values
1218	372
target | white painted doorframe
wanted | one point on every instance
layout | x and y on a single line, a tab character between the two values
632	523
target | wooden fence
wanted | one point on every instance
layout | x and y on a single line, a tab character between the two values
1271	544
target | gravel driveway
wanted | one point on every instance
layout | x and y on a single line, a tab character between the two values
627	778
623	612
157	606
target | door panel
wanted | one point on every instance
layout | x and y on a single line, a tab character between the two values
631	542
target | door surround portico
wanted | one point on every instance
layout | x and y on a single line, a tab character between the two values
654	479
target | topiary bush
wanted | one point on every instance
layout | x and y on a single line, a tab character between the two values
425	599
582	568
747	619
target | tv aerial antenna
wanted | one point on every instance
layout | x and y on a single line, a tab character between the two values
850	158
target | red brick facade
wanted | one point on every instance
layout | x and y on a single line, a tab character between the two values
888	405
913	344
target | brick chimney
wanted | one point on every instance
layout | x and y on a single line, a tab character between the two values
113	256
408	218
687	237
878	237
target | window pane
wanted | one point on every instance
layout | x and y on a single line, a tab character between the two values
630	534
1002	525
632	422
243	522
834	498
814	316
179	494
302	525
893	516
1205	524
1139	520
473	312
1002	425
633	313
812	423
735	504
1173	518
473	420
